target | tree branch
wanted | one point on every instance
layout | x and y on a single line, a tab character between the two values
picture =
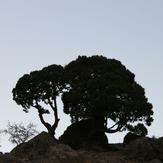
54	108
114	125
40	113
110	130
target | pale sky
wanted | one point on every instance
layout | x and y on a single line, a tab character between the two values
37	33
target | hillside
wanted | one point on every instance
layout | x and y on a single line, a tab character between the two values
43	149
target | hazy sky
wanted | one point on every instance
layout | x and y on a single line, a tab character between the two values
37	33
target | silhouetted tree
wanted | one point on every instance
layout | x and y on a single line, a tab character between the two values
103	89
38	89
18	133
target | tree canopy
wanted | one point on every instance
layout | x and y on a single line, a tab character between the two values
104	88
40	88
91	88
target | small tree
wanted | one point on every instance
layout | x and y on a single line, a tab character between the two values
103	89
38	89
19	133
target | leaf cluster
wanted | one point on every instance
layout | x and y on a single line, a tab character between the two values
39	86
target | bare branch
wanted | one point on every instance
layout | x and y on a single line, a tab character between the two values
19	133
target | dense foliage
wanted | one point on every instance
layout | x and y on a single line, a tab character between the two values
91	88
103	89
40	88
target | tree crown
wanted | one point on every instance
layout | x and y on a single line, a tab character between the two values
104	87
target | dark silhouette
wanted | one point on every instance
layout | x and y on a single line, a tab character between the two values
40	88
81	135
103	89
92	88
139	129
130	137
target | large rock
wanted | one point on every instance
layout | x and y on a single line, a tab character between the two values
159	142
154	161
37	146
130	137
82	135
145	149
43	149
6	158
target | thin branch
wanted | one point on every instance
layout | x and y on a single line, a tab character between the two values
109	130
54	108
114	125
40	113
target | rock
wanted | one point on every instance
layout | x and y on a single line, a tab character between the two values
43	149
9	159
160	144
154	161
144	148
35	147
81	135
130	137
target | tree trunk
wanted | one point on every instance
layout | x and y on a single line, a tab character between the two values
99	122
51	132
51	129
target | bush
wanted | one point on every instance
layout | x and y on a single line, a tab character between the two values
19	133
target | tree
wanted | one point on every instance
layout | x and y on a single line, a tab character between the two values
20	133
103	89
39	89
